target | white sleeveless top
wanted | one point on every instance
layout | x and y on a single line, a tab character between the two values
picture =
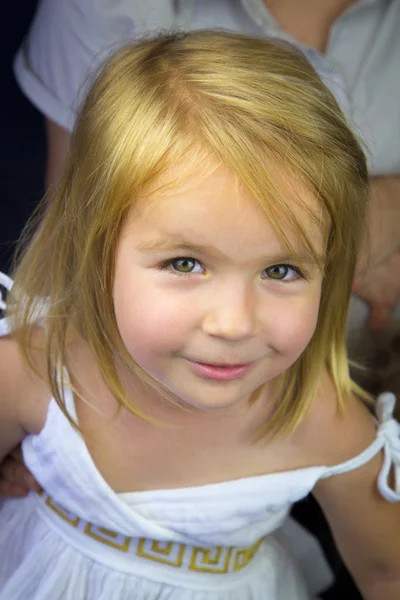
79	540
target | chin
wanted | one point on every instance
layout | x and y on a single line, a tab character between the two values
210	404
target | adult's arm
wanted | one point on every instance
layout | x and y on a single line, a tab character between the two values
378	280
69	39
383	221
58	141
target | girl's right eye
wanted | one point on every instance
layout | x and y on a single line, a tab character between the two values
184	265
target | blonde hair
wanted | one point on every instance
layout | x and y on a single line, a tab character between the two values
250	103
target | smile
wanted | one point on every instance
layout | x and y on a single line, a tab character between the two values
220	372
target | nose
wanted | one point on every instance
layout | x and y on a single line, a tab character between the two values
231	313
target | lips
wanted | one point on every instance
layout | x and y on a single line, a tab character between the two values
221	372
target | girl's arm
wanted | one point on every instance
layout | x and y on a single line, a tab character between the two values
24	396
11	428
366	526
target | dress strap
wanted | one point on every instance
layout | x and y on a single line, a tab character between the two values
38	316
7	283
388	439
5	286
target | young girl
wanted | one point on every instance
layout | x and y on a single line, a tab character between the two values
174	353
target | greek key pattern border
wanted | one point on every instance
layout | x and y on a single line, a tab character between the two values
217	560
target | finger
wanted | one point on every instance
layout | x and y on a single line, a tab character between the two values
28	480
31	482
16	473
11	490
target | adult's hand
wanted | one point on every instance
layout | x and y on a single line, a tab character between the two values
15	479
379	286
378	273
383	223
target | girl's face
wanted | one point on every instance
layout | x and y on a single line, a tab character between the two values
207	300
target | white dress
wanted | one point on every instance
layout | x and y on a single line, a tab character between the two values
79	540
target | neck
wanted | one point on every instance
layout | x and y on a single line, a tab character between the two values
325	7
308	21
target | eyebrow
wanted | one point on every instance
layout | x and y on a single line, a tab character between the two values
175	243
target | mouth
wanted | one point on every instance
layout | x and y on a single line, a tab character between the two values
221	372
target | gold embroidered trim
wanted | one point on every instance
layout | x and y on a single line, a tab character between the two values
217	560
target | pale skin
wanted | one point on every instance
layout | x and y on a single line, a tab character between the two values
230	294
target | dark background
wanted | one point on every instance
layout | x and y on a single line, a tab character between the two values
22	139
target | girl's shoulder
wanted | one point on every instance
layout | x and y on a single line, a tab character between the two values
334	436
359	490
24	386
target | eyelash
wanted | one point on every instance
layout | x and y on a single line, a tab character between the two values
168	264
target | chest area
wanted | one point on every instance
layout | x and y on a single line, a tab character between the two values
134	455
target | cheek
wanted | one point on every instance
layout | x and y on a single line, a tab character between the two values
296	325
148	321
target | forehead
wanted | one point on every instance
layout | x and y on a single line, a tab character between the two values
208	203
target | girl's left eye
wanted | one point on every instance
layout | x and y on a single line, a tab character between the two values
182	266
282	273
